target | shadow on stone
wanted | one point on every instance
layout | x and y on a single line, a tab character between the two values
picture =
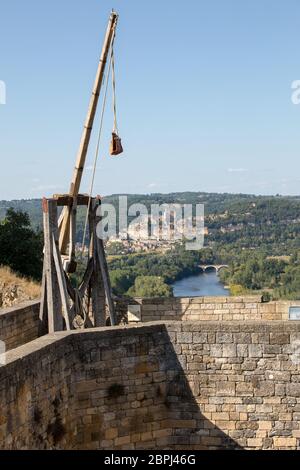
157	409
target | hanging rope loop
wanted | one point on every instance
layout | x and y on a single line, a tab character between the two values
114	100
116	144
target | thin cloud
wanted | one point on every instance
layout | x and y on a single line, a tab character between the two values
237	170
45	187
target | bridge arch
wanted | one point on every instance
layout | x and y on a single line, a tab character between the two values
212	267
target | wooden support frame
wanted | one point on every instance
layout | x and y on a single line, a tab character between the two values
62	306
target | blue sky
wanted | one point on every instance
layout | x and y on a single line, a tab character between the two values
204	95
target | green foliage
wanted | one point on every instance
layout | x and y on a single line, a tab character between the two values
266	296
236	289
244	231
121	280
255	272
150	286
290	285
169	267
21	248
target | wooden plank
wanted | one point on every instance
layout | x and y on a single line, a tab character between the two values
55	320
65	200
43	315
72	237
48	266
96	283
60	221
61	283
100	253
98	298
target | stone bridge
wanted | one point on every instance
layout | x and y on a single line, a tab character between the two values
213	267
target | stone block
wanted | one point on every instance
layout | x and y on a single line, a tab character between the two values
254	442
265	389
242	350
120	441
221	416
293	389
216	350
244	389
135	313
111	434
265	425
285	442
279	338
278	376
199	338
229	350
255	350
185	338
222	337
225	389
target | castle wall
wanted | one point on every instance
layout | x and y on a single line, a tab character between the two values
19	325
245	378
36	409
210	309
178	385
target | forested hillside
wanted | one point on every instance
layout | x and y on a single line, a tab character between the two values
257	236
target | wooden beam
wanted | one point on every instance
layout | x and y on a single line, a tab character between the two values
61	283
55	320
88	127
106	281
65	200
96	284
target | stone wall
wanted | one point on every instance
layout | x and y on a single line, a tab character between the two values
19	325
209	308
245	378
36	396
173	385
99	389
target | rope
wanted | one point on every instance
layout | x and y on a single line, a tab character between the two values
115	129
98	145
79	310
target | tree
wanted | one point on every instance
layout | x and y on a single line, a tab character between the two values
121	280
150	286
236	289
21	248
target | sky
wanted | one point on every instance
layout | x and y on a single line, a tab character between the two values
203	94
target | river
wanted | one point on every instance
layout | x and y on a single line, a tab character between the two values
204	284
